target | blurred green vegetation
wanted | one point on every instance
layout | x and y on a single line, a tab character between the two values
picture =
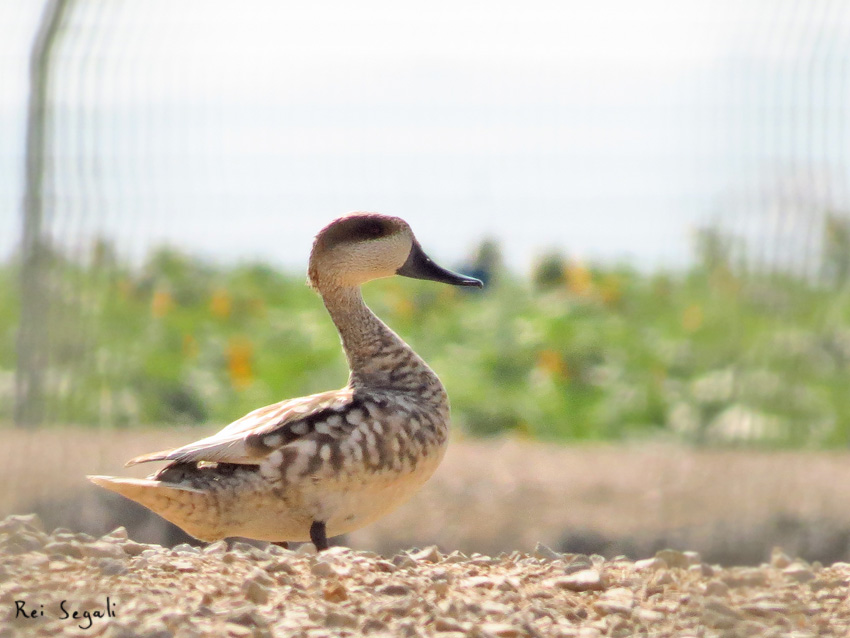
574	353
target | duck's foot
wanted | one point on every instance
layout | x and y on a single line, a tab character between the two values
282	544
318	534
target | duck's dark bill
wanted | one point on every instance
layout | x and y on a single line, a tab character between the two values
421	266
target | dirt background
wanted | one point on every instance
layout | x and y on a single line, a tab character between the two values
732	506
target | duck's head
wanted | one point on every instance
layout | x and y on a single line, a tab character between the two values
359	247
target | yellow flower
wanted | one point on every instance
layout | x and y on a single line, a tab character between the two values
553	364
240	353
161	303
220	303
611	290
579	279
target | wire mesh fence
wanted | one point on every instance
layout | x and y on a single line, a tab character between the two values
128	146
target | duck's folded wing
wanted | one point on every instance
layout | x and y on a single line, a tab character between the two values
246	441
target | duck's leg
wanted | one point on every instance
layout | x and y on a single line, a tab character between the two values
318	535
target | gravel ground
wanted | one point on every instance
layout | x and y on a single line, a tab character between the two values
244	591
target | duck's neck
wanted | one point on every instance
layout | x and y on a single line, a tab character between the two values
377	356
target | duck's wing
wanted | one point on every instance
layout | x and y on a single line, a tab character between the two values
249	439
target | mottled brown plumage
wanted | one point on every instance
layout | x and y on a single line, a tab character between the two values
330	462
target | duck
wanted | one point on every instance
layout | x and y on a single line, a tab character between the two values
319	466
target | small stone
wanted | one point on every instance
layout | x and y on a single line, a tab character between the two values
216	548
54	566
283	566
766	608
247	616
238	631
132	548
323	569
102	549
661	579
779	559
650	564
650	616
454	557
260	576
112	567
440	587
404	561
33	540
799	572
719	615
746	577
428	555
306	549
546	553
702	569
335	592
17	522
479	581
503	630
63	549
187	631
184	565
607	608
185	548
694	558
384	566
619	600
579	563
719	607
585	580
716	588
747	628
372	625
442	624
255	592
118	534
394	590
117	630
340	619
674	558
241	547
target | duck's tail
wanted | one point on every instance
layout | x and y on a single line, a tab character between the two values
178	504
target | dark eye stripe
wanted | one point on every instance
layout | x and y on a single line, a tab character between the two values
366	229
356	229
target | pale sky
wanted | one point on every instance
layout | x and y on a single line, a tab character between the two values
236	128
